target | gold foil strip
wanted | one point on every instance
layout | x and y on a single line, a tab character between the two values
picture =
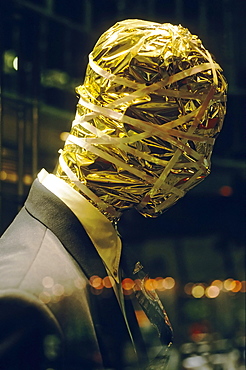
150	129
113	160
96	200
177	154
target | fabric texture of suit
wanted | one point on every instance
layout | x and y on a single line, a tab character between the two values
50	316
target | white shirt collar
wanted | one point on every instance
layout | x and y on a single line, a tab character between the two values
100	230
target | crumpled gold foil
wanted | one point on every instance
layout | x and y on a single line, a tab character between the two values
151	106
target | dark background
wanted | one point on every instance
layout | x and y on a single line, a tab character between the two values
200	239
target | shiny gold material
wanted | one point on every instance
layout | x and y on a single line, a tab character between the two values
151	105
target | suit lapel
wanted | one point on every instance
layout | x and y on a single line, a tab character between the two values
56	216
107	316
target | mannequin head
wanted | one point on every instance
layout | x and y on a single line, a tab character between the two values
150	108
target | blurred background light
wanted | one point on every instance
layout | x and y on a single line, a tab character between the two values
108	281
64	136
169	283
226	191
188	288
48	282
229	284
217	283
197	291
96	282
15	63
212	291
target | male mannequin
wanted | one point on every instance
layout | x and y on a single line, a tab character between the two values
149	109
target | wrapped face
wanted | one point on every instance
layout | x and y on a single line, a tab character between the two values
150	108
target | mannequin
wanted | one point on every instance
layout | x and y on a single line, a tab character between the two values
151	105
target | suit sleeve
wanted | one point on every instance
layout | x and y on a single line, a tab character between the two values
30	337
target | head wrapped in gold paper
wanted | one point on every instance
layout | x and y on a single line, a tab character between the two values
151	105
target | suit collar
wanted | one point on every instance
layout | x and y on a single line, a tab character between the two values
56	216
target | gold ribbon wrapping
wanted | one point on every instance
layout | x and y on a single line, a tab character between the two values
151	105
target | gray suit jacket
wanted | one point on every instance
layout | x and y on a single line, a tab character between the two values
50	316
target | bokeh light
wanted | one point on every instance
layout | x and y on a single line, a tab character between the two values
159	284
169	282
27	179
3	175
197	291
127	284
229	284
108	282
45	297
212	291
237	286
15	63
243	288
58	290
48	282
96	282
80	283
218	283
64	135
150	284
226	191
188	288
